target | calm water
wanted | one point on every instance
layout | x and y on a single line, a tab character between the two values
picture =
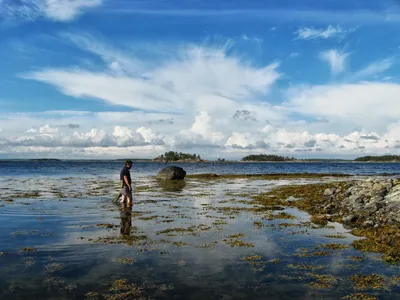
106	168
62	238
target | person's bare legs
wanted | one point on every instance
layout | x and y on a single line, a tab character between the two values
129	202
123	198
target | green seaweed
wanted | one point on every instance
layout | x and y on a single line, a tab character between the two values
27	249
333	246
305	267
234	241
383	240
363	282
338	236
359	296
125	260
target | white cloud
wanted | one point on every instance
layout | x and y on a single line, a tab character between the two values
47	129
57	10
245	37
374	68
335	59
310	33
204	133
205	100
66	10
203	128
126	137
194	77
368	105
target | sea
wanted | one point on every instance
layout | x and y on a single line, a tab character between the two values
62	237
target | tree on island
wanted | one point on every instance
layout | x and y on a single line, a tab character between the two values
175	156
379	158
266	157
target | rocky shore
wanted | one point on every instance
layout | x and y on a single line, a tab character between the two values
370	208
365	203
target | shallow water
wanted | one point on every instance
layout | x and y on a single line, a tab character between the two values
62	238
11	168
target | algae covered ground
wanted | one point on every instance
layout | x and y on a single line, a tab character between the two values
225	237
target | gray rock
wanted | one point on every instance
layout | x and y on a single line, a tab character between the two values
368	223
377	198
372	207
394	194
329	208
172	173
329	192
348	220
378	187
355	200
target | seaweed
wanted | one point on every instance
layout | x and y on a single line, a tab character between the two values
125	260
383	240
363	282
333	246
27	249
359	296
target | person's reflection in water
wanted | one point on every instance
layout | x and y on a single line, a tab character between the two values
126	219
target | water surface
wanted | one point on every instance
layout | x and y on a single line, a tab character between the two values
62	238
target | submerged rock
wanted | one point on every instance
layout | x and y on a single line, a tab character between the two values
172	173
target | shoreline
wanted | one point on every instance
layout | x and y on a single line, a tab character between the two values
327	161
370	208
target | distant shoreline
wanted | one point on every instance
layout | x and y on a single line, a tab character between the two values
194	162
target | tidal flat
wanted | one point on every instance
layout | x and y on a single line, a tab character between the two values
225	237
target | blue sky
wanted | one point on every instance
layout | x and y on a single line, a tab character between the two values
108	79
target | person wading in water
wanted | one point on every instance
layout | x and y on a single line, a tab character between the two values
126	182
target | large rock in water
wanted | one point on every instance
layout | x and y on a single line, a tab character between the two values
172	173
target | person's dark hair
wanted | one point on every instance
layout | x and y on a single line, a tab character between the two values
128	162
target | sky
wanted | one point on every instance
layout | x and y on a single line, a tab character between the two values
105	79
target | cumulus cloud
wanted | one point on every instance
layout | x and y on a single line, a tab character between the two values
336	60
203	134
169	121
73	126
208	99
272	139
127	137
310	33
245	115
47	129
202	131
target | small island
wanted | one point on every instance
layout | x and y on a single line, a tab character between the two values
266	158
383	158
172	156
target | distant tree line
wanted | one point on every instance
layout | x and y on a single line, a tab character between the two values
265	157
174	156
379	158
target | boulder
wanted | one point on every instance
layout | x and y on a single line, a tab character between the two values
372	207
172	173
349	220
329	192
368	224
